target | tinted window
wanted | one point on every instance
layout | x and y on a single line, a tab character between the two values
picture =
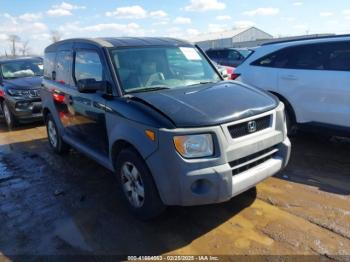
212	54
298	57
245	52
269	60
233	55
88	65
339	56
49	64
222	53
307	57
63	67
324	56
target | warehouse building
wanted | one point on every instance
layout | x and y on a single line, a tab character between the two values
230	38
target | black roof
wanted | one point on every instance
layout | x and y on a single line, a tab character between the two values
122	42
305	39
13	59
227	48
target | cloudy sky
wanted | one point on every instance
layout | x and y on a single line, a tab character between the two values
33	20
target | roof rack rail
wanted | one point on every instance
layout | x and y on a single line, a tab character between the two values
304	38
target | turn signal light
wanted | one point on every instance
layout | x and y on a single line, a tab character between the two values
150	134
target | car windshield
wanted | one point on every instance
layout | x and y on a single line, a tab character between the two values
245	52
154	68
22	68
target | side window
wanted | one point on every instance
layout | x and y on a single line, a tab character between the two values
88	65
277	59
339	56
234	55
49	64
64	67
212	54
310	57
223	54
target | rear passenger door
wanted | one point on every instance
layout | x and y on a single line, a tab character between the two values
316	93
337	71
62	87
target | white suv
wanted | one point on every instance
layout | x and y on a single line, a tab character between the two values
312	78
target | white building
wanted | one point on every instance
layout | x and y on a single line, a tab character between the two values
230	38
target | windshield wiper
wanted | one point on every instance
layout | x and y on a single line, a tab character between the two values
204	83
147	89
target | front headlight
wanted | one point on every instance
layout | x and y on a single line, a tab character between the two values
17	92
194	146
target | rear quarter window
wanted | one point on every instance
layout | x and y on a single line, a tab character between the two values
64	67
49	65
339	56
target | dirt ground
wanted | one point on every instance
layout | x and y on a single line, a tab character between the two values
53	205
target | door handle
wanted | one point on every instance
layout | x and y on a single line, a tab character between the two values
99	106
289	77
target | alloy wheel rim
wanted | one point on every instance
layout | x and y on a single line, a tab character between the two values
7	114
133	186
52	133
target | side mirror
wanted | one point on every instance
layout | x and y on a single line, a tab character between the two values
90	85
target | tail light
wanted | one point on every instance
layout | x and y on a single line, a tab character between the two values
2	94
234	76
231	74
58	97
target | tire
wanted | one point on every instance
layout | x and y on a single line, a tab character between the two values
136	185
290	121
9	118
55	139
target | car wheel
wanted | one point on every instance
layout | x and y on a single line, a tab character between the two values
10	119
55	140
291	126
136	185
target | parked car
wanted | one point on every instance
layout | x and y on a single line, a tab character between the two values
311	77
232	57
157	113
20	80
227	72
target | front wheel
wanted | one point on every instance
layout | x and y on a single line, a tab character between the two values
136	185
290	122
55	140
10	119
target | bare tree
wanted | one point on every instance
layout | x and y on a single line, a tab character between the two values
13	39
25	48
55	36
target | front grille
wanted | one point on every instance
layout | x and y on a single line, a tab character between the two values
34	93
246	163
243	129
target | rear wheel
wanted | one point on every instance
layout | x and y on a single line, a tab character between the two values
10	119
136	185
55	140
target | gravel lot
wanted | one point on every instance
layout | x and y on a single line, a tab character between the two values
68	205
